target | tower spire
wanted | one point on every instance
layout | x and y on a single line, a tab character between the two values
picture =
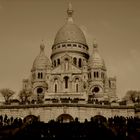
70	12
95	46
42	46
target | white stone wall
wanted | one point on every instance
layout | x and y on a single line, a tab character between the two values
48	112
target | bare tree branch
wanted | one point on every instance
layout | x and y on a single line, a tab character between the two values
132	95
24	95
6	93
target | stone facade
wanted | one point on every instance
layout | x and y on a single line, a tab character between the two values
48	112
72	72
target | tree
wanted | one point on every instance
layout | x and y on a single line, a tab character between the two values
132	95
7	93
24	95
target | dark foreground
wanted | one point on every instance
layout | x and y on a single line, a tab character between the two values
98	128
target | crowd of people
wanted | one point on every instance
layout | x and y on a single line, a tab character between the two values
9	121
97	128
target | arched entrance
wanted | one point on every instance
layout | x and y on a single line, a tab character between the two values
99	119
30	119
65	118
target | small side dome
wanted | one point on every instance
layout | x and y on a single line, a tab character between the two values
41	61
70	32
95	60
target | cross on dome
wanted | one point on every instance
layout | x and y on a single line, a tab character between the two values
95	45
70	32
42	46
41	61
70	12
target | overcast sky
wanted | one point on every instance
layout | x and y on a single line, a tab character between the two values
115	24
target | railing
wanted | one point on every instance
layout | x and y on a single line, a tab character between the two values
57	104
72	102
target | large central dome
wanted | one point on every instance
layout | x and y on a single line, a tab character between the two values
69	39
70	32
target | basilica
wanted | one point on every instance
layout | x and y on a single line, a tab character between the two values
71	72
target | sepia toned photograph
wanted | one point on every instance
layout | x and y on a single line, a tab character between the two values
70	69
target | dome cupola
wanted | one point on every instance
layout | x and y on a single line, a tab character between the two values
41	61
95	60
70	32
70	38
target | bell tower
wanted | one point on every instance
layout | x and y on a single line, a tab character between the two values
97	73
40	66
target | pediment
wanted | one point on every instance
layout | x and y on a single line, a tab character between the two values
66	68
66	56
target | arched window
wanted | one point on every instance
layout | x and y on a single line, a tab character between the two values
80	62
58	61
55	63
39	75
94	74
66	78
76	87
39	90
66	59
77	84
97	74
109	83
55	85
75	60
96	90
55	88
